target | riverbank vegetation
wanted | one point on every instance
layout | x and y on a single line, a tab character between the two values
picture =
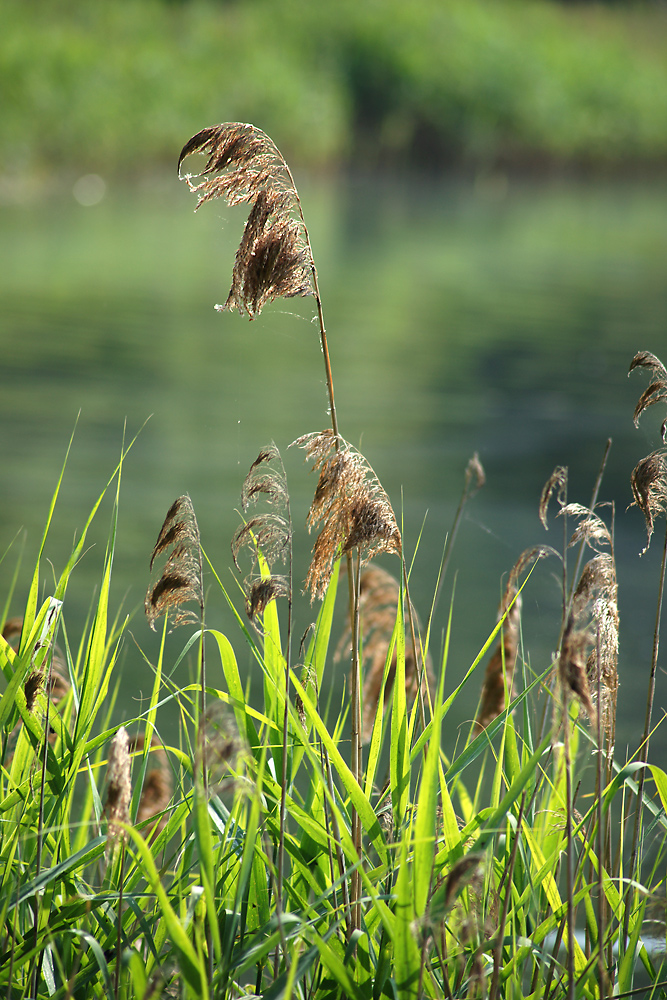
281	844
470	84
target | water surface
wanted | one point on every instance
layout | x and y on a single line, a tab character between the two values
498	318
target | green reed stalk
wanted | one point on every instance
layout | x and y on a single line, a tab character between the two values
644	748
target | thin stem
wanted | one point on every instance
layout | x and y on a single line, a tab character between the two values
354	582
119	925
643	750
498	949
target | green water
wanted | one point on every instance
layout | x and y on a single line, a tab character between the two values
499	318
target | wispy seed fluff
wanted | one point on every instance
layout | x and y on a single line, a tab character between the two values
349	503
181	579
274	257
119	789
649	489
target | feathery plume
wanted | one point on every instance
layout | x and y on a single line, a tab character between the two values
267	535
598	587
378	607
572	666
656	391
58	677
245	166
556	483
499	676
349	503
181	579
591	528
649	489
119	789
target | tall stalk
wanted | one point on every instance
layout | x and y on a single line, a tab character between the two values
644	748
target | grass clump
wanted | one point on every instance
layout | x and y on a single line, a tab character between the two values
283	846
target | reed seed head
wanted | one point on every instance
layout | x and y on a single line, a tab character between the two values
378	607
649	489
572	667
556	483
499	676
181	579
274	257
656	392
268	535
119	789
351	506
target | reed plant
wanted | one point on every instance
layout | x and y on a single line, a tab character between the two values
281	845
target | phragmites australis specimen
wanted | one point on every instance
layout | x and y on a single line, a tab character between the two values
349	503
498	683
181	580
588	660
119	789
244	166
268	534
649	477
378	605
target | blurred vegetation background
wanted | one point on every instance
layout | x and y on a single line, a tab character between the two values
471	84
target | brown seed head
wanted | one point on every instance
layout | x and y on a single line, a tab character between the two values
499	676
274	257
657	390
556	483
649	488
351	506
119	789
181	579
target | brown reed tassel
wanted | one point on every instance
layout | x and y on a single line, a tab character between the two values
59	683
349	503
378	606
268	533
499	676
119	790
649	489
656	391
245	166
556	483
572	668
181	578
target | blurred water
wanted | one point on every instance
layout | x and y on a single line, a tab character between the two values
497	318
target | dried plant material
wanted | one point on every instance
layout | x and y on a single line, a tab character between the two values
119	789
591	528
181	579
572	667
597	590
475	476
158	785
527	558
220	749
468	868
657	390
556	483
351	506
261	592
268	534
274	258
58	675
499	676
378	607
649	488
33	685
